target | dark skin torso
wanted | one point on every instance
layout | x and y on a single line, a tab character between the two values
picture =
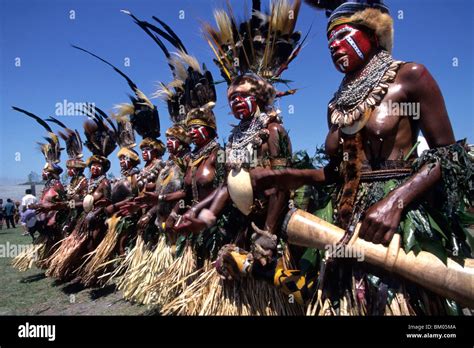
276	202
97	227
45	209
271	149
205	174
413	84
399	133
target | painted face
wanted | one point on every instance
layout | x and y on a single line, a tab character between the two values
96	169
173	145
199	135
147	153
125	162
71	172
242	105
350	47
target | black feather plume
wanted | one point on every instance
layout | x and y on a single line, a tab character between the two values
36	118
328	5
132	85
178	41
145	26
55	120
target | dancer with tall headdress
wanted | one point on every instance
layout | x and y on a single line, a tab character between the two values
251	60
143	272
120	230
71	250
48	220
196	88
101	140
383	190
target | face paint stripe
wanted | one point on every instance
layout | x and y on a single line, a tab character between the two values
202	133
355	47
336	34
249	104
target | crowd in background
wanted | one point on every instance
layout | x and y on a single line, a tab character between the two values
14	213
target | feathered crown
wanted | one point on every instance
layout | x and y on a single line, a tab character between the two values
126	138
202	116
178	130
50	150
372	14
143	115
101	139
192	86
264	45
73	145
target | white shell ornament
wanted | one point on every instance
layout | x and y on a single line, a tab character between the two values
240	189
88	203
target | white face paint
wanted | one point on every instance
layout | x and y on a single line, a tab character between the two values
174	143
350	47
356	48
202	133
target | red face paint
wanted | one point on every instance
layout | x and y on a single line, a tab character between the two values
71	172
199	135
350	47
124	162
242	105
146	154
96	170
172	145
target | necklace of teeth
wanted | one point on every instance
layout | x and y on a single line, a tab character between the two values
358	94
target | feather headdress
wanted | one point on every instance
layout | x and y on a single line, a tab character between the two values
142	114
264	45
126	139
101	139
372	14
50	150
73	145
192	86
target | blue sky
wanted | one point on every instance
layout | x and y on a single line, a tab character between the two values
431	32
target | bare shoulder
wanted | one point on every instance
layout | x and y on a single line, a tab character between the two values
276	128
213	156
413	72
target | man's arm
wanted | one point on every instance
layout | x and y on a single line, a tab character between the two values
291	179
383	218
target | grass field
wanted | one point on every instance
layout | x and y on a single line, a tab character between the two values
31	293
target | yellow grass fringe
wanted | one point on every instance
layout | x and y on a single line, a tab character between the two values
140	269
209	294
173	280
98	260
61	262
25	260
